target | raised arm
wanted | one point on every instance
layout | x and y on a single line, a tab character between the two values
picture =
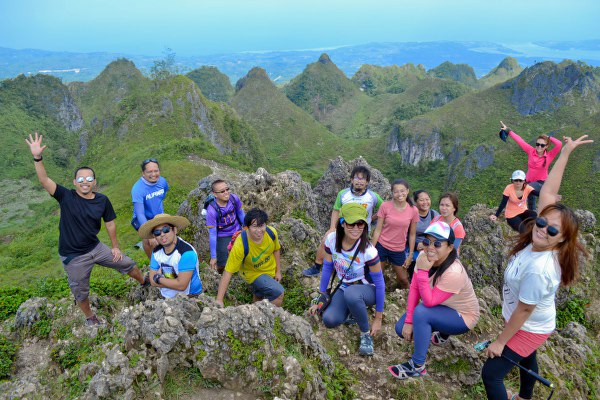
552	185
36	148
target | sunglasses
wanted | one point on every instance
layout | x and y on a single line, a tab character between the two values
517	180
358	224
437	244
543	223
164	229
542	145
87	178
222	191
149	160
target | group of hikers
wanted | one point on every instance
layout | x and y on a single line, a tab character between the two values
420	244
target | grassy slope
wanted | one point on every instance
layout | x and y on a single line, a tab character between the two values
473	120
291	138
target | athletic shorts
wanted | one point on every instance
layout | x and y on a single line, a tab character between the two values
222	252
393	257
79	268
266	287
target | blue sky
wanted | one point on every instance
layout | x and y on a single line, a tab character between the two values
222	26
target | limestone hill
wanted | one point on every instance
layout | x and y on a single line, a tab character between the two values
290	137
213	83
155	348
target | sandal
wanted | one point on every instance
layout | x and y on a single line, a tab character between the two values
407	370
439	339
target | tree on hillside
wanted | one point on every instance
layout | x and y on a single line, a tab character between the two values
165	68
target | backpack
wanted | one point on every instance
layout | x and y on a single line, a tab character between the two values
244	234
211	201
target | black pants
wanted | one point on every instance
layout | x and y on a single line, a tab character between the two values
517	222
495	369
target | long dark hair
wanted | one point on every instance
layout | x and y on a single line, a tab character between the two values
407	186
569	250
437	272
340	233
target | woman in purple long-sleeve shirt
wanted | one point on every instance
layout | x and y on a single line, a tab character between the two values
539	159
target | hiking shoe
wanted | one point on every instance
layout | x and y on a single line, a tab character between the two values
407	370
439	339
350	320
366	345
146	280
93	320
312	271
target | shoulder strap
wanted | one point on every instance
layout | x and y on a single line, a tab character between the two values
271	233
244	236
345	273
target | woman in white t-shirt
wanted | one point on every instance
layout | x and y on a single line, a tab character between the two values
356	262
545	255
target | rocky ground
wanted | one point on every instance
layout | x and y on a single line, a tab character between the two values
245	351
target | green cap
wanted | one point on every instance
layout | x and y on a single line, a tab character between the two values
352	212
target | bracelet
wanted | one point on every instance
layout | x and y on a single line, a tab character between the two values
38	159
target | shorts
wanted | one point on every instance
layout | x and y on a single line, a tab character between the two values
222	252
393	257
266	287
79	268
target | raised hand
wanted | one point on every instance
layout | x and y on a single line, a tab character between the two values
571	144
35	145
503	126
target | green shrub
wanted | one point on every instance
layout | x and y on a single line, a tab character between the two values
10	300
572	311
8	352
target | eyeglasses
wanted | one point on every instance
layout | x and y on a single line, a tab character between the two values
437	244
149	160
543	223
517	180
255	226
164	229
222	191
359	178
542	145
87	178
357	224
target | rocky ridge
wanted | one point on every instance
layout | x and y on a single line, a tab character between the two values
267	352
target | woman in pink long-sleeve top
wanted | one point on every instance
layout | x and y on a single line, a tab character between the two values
539	159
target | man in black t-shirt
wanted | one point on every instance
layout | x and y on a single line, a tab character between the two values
81	213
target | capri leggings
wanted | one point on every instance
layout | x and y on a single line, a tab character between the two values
440	318
354	299
495	370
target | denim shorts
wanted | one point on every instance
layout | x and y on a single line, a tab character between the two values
266	287
393	257
222	252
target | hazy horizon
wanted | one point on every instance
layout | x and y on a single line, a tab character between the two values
192	28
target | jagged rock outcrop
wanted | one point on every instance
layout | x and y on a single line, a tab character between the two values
415	149
264	351
547	86
336	178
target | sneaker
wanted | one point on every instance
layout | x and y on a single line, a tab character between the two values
366	345
312	271
93	320
407	370
439	339
350	320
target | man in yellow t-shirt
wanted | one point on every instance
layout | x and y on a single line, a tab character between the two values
255	254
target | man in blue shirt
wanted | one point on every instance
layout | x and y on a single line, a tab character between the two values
147	195
174	262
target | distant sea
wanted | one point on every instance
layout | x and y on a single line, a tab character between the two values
282	66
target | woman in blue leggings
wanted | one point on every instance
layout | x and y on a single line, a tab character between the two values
447	306
349	252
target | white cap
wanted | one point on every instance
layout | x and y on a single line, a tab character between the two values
518	174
